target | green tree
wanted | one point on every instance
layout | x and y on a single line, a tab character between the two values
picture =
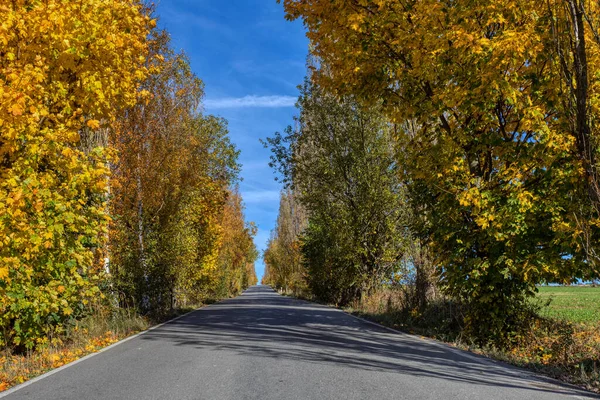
492	159
340	161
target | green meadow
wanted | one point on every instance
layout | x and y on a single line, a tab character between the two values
573	303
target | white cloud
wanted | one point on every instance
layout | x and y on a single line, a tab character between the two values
260	196
250	101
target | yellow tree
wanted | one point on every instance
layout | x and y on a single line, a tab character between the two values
168	188
575	48
146	186
66	68
492	159
237	252
283	257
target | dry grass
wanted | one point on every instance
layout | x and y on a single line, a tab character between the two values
86	336
563	350
89	335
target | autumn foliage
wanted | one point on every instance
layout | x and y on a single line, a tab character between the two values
237	251
284	267
495	105
112	184
61	80
169	188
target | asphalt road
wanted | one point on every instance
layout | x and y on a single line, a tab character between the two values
261	345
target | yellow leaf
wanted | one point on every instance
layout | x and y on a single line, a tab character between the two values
93	123
16	110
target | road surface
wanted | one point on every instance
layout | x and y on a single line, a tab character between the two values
261	345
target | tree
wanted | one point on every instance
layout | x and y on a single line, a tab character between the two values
340	162
237	252
283	257
168	189
66	69
574	45
494	171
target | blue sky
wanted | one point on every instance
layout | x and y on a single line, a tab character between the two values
251	60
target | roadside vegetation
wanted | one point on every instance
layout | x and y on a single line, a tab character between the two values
118	197
547	340
85	336
443	166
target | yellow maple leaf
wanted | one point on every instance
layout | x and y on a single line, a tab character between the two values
16	110
93	123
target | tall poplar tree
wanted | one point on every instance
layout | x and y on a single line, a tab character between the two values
340	161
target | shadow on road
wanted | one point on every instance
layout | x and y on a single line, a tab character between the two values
265	324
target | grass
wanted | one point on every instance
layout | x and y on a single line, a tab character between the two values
577	304
88	335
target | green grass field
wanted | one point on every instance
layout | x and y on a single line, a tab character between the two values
572	303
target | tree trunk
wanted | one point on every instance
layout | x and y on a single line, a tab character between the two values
585	146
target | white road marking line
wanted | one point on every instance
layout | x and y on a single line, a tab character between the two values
484	360
54	371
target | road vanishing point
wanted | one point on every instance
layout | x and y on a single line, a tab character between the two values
261	345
